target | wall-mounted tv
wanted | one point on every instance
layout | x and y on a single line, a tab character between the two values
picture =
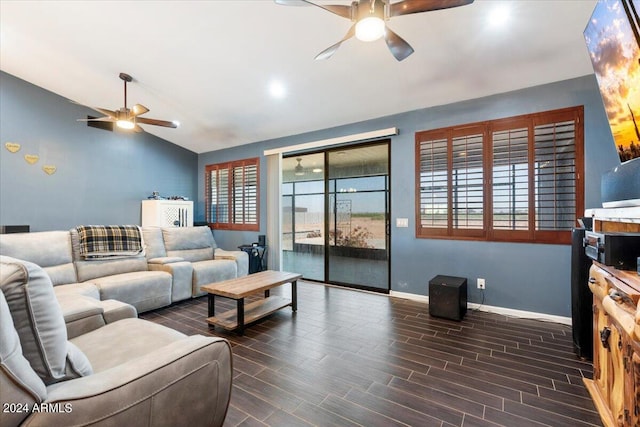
613	40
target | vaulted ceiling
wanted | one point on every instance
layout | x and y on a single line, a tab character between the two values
211	65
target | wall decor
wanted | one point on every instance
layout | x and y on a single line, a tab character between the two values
49	169
13	147
31	158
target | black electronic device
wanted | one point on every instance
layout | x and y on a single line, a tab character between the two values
448	297
619	250
262	240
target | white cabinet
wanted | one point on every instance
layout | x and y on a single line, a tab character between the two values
167	213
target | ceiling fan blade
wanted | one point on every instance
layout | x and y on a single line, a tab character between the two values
138	109
156	122
399	48
326	54
338	9
97	119
416	6
137	128
104	111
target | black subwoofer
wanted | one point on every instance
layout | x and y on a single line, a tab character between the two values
448	297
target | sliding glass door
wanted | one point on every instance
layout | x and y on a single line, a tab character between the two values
336	216
303	215
358	195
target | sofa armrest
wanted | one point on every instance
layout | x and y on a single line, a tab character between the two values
165	260
187	382
82	314
181	275
240	257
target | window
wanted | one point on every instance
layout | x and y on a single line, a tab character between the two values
232	195
514	179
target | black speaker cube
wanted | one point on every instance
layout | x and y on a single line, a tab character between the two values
448	297
262	241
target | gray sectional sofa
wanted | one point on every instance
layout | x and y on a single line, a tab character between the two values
197	247
128	372
95	292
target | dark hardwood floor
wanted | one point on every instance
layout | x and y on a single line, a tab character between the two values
350	358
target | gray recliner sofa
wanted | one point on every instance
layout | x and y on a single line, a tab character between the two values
129	372
197	246
84	307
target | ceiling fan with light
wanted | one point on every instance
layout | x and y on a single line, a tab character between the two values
369	20
129	118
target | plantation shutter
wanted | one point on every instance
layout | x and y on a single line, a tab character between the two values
513	179
232	195
433	161
467	181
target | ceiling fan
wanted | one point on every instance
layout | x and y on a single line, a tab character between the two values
369	18
129	118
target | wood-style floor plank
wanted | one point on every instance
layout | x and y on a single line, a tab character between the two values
350	358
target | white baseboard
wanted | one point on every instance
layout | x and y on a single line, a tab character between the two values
491	309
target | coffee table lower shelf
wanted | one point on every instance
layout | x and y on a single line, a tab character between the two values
252	312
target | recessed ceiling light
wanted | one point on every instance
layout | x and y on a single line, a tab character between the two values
277	89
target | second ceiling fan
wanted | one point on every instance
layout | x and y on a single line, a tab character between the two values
129	118
369	20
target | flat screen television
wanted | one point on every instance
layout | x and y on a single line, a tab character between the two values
613	40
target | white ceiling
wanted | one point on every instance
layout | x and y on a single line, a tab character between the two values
208	64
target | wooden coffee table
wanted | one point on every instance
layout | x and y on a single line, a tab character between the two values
242	287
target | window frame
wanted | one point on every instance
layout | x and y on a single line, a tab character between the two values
237	200
488	233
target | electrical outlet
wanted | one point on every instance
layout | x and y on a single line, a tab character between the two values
480	283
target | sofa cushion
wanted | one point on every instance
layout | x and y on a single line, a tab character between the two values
205	272
145	290
50	250
86	289
153	243
124	340
190	243
39	322
18	382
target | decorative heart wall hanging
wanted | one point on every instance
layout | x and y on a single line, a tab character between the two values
13	147
31	158
49	169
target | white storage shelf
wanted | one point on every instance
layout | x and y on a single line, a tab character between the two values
167	213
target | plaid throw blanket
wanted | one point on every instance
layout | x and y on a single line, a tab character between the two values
101	241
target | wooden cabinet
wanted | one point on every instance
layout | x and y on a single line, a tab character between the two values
615	387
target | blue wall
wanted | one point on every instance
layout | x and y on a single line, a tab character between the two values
101	176
530	277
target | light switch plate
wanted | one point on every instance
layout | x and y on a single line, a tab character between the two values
402	222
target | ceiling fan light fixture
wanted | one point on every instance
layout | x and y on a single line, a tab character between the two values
125	124
370	29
